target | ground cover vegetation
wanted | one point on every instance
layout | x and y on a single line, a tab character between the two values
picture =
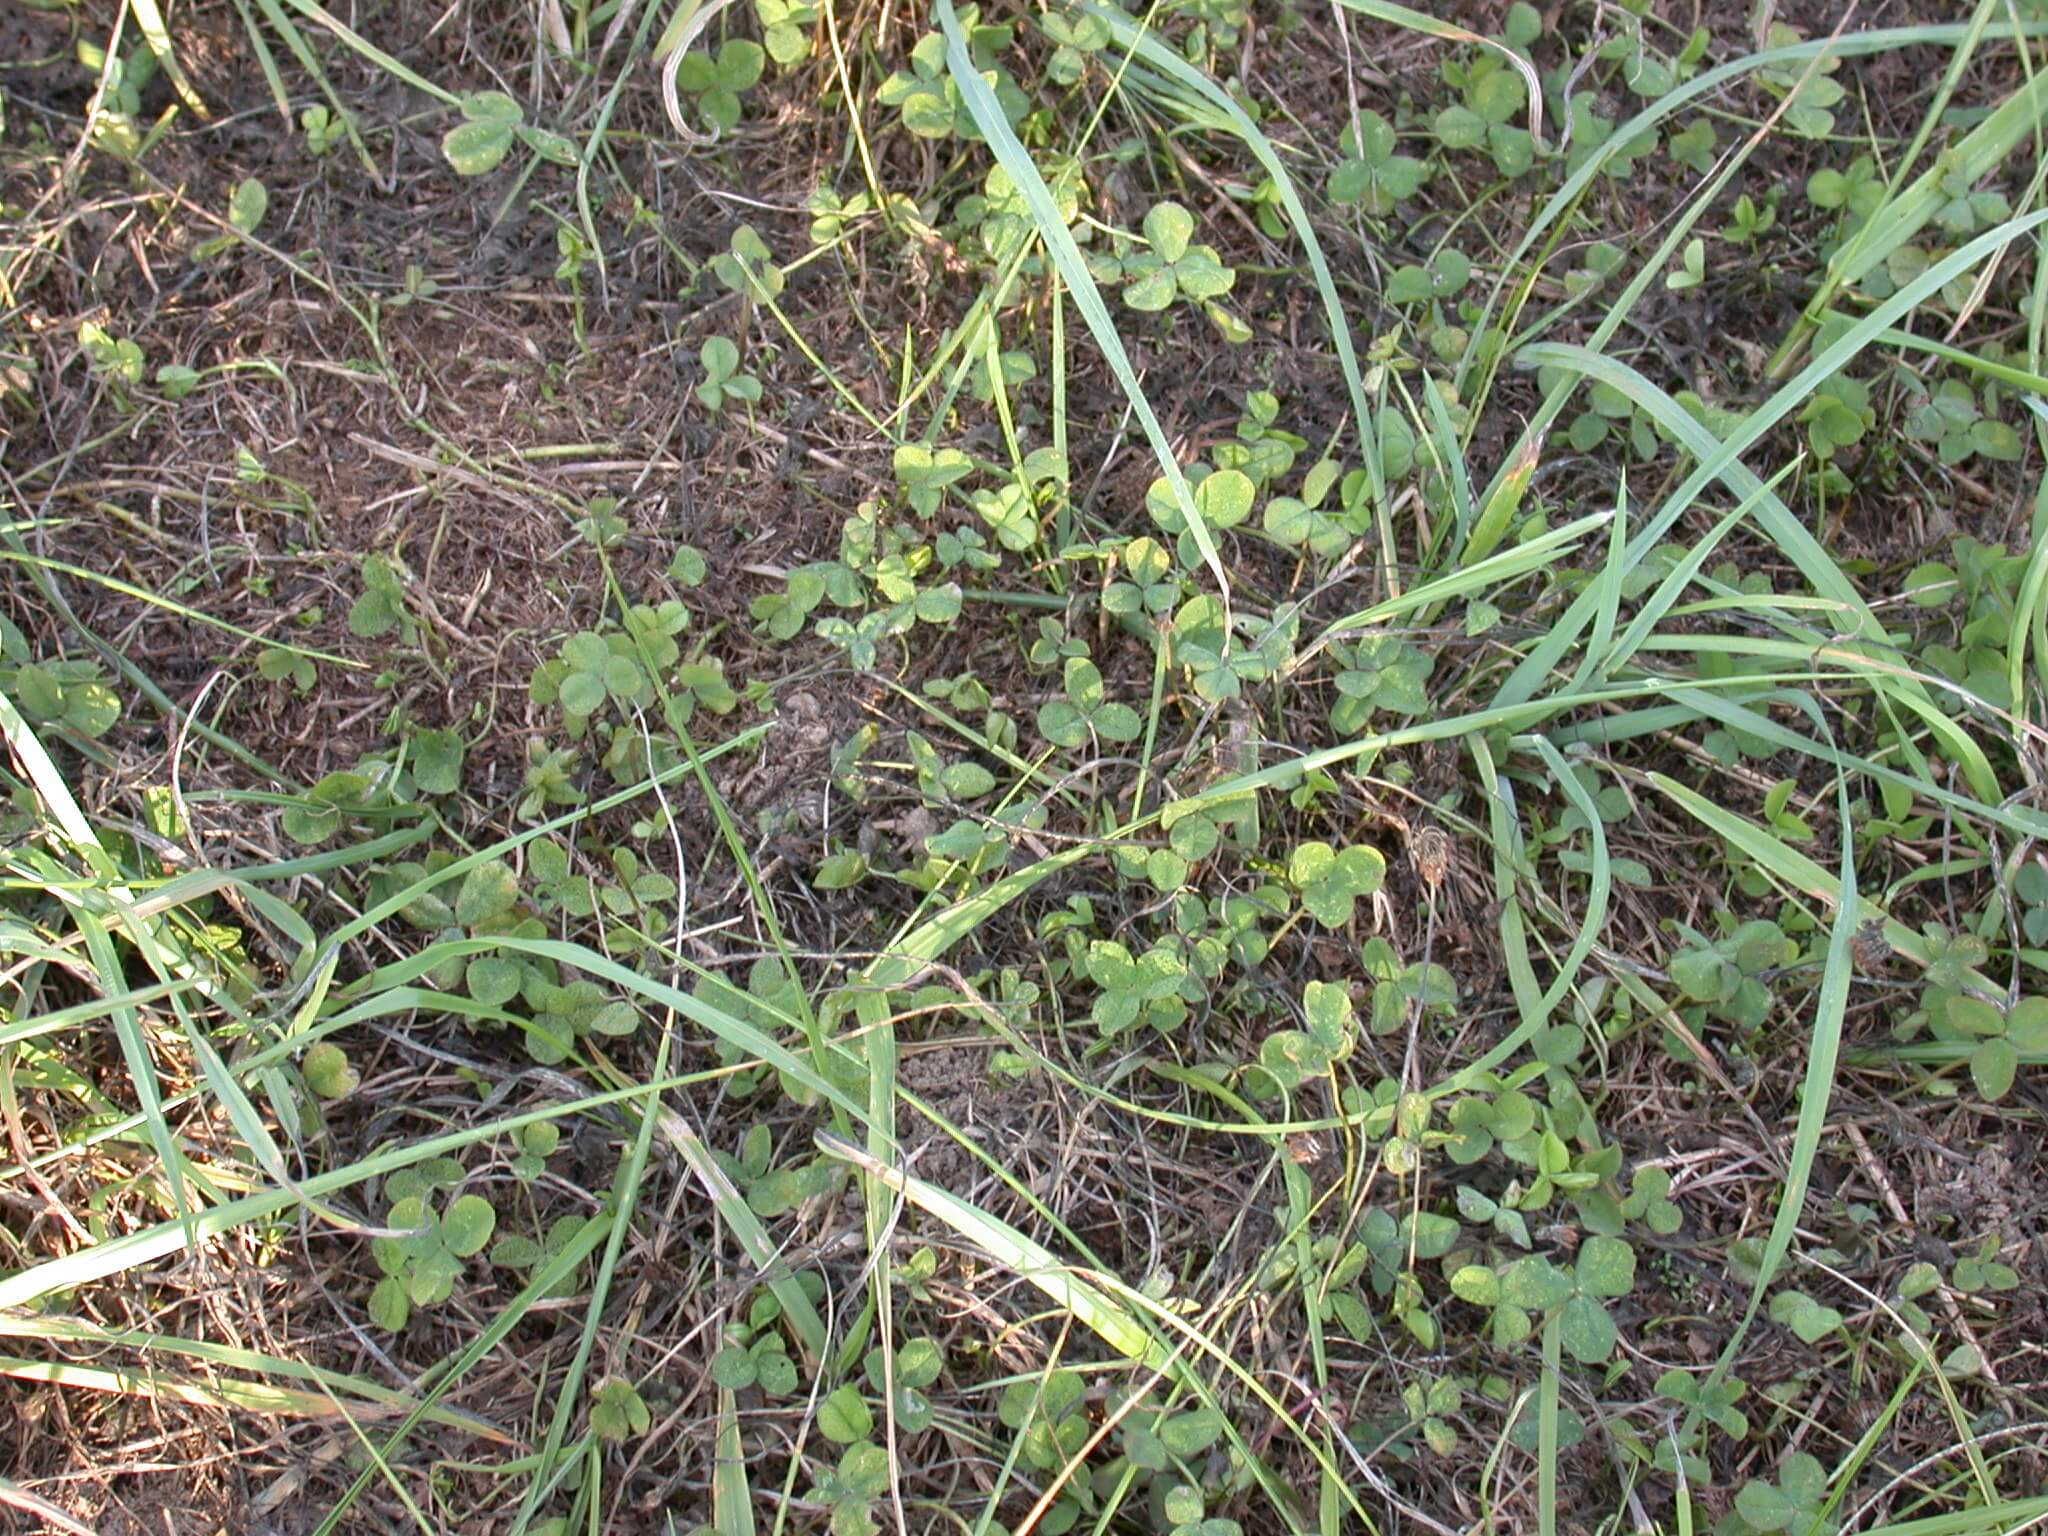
1189	767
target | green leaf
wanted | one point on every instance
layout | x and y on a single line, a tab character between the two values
373	614
1153	289
721	359
1587	1331
617	1019
583	693
247	205
1703	975
432	1279
487	892
918	1363
1190	1434
327	1071
840	870
1993	1066
476	148
1060	723
967	781
493	980
1764	1507
468	1225
437	761
1225	498
2027	1025
777	1372
491	107
1606	1267
686	566
1808	1319
390	1307
1477	1284
1327	1007
844	1416
733	1368
1460	128
1168	229
1534	1284
1118	722
617	1411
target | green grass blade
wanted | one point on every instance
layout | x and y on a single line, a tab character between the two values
1073	270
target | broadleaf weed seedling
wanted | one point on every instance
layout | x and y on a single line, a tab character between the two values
926	96
723	379
1372	173
421	1269
717	81
1172	267
787	29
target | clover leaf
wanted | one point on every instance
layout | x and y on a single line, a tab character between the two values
1606	1268
381	608
716	82
2030	891
918	1364
939	781
327	1071
323	129
764	1363
1859	189
1172	267
67	694
747	266
722	378
1493	97
420	1268
1716	1403
929	100
334	797
1380	672
1964	211
1649	1202
1084	712
1330	881
1012	368
924	473
1952	421
1077	38
1371	174
481	141
1793	1503
851	1488
786	28
1151	588
1811	93
1047	1415
1299	521
1222	497
1446	273
1810	1320
1291	1057
1142	989
617	1410
591	669
2000	1035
